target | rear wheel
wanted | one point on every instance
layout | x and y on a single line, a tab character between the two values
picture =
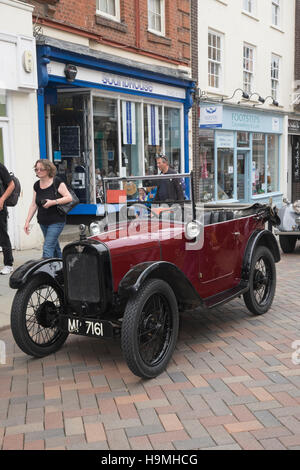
287	243
150	329
262	282
35	317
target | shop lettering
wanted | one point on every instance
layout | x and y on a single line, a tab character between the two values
245	118
129	84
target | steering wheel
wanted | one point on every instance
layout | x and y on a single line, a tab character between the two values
141	209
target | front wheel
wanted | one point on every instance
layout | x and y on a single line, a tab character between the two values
35	317
150	329
287	243
262	282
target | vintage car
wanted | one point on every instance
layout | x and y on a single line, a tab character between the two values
289	228
131	280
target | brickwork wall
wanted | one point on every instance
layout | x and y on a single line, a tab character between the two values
132	31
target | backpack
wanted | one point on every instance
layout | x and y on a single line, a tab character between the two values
12	200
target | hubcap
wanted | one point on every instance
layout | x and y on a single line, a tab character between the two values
262	281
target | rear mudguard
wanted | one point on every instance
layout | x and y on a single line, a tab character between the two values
184	291
51	268
259	238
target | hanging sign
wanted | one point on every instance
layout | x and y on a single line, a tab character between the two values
211	117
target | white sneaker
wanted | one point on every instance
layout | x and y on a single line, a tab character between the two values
7	270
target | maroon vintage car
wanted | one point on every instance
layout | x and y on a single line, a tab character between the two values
131	280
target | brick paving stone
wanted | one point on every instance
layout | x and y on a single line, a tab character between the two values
272	444
34	445
94	432
170	422
247	441
140	443
13	442
117	440
74	426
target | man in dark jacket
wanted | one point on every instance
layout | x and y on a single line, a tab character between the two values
168	189
6	188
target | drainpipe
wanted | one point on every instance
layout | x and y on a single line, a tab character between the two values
137	24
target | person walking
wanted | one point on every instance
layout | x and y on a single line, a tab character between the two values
6	188
168	189
45	202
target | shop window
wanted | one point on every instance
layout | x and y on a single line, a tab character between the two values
273	163
2	105
207	165
106	143
152	136
258	165
70	148
173	137
225	174
243	139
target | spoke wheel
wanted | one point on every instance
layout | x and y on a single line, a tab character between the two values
262	282
150	329
35	317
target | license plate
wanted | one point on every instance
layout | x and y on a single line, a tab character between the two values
87	327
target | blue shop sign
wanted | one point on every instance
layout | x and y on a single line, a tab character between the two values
244	120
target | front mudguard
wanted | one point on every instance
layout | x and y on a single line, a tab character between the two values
186	294
258	238
51	268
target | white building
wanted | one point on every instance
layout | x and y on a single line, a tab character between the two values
246	71
18	110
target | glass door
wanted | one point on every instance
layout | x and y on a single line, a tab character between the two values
242	175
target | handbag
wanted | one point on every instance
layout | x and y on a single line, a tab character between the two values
64	209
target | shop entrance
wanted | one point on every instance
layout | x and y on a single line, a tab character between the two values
5	160
242	175
295	168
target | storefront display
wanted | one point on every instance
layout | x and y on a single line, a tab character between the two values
243	151
113	119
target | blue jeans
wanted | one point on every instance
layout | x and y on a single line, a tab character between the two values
51	248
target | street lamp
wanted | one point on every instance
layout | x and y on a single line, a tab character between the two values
260	98
274	102
244	95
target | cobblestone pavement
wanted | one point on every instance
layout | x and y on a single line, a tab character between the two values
231	384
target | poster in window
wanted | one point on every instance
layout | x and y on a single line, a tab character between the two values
69	141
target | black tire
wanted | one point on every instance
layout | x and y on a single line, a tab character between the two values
150	329
262	282
287	243
35	317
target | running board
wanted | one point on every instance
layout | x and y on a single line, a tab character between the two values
223	297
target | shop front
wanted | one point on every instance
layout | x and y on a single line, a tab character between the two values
108	119
239	152
294	159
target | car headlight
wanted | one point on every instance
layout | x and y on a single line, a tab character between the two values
296	207
95	229
192	229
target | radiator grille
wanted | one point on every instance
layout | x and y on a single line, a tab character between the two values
82	277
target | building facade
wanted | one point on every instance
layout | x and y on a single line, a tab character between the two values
114	90
245	76
18	111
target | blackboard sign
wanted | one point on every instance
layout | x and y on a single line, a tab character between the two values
296	161
69	141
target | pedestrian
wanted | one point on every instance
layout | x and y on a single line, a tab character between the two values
48	192
168	189
7	186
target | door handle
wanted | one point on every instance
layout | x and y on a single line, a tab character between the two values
236	234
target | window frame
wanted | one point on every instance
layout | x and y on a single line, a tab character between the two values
251	73
276	13
215	62
252	4
275	80
116	17
162	32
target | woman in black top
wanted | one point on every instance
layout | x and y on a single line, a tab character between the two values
44	202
